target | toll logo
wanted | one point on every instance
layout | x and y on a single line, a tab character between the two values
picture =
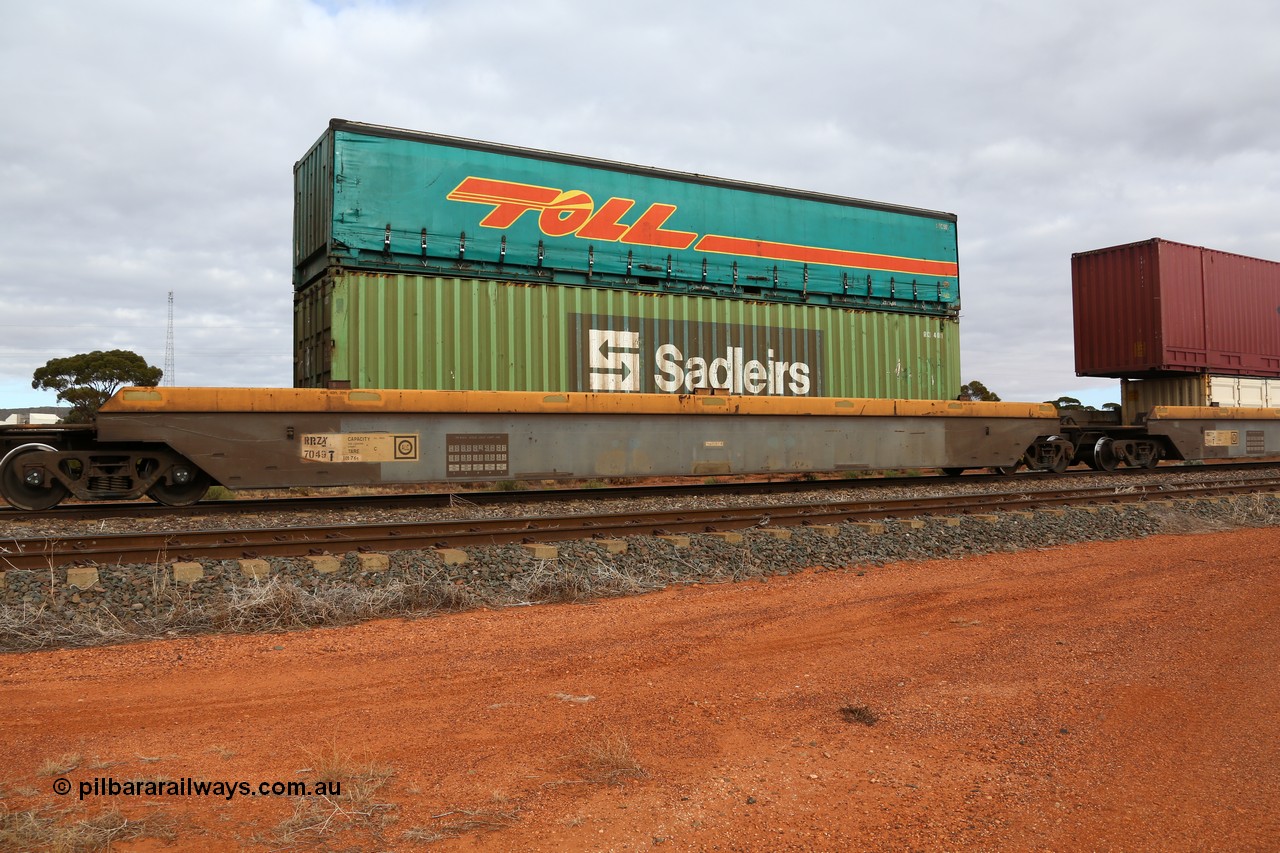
614	360
574	213
563	213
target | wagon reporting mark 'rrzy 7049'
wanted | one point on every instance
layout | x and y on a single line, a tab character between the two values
359	447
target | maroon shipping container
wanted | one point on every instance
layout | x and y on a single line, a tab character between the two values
1156	308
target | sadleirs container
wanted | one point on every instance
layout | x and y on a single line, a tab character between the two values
358	329
382	199
1157	308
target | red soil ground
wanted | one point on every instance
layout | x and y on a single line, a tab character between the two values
1120	696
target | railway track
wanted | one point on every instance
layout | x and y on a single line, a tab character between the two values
433	500
152	547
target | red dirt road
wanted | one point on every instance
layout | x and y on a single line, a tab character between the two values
1120	696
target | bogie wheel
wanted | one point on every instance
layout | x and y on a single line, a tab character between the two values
189	485
1006	470
33	490
1103	457
1064	453
953	472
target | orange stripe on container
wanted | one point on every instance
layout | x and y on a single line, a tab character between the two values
720	244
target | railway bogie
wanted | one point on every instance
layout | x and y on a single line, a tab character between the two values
39	475
1052	453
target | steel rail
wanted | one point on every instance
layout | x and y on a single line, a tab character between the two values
435	500
150	548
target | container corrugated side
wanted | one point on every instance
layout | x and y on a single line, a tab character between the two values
1139	396
369	330
312	210
1160	307
1242	314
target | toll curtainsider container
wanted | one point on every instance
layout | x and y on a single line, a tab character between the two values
382	199
1158	308
358	329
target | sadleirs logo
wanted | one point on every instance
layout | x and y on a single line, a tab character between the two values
651	356
614	360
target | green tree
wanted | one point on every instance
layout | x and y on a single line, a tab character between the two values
975	390
88	380
1070	404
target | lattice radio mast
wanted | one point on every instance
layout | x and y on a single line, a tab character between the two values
168	346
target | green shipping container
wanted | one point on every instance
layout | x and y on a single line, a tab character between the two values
380	330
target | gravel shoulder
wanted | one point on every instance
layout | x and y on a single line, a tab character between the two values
1108	696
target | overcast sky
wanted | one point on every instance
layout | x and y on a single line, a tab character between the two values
149	146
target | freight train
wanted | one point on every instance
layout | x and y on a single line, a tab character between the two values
470	312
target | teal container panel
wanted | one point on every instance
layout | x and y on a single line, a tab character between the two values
399	200
384	330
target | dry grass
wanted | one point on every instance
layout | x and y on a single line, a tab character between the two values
463	821
608	757
282	604
277	604
550	581
321	821
1187	517
861	714
333	764
1177	520
355	818
60	766
63	832
423	835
